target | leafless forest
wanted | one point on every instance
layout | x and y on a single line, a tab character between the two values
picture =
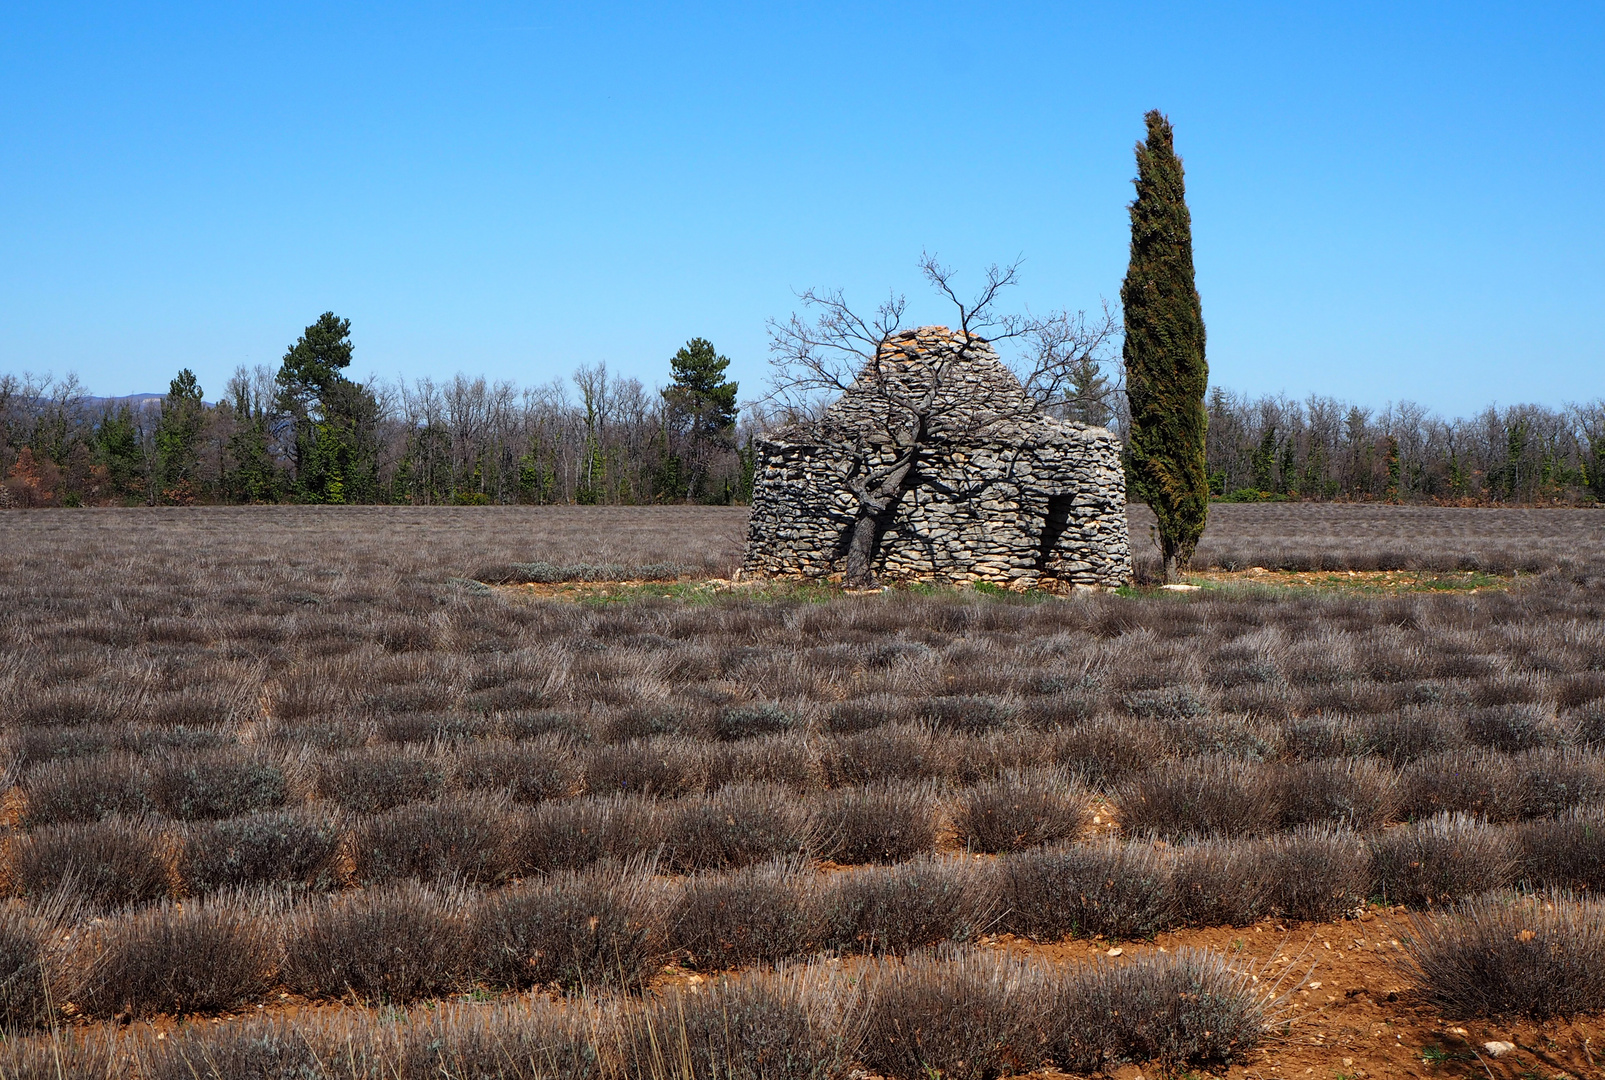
304	759
600	438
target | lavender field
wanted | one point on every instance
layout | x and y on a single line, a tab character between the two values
299	755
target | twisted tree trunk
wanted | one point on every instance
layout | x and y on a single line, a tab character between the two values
872	506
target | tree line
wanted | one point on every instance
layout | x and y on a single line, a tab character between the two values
308	433
1322	448
305	432
600	438
1270	447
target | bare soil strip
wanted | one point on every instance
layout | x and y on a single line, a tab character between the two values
1351	1012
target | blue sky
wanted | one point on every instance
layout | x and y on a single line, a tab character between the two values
1390	201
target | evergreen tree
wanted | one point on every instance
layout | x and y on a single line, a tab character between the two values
1515	454
1088	399
340	463
535	480
1287	471
178	436
310	367
700	392
749	470
700	415
1166	373
336	420
117	450
1265	462
668	472
316	360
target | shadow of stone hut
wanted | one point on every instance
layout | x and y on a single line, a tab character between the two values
999	491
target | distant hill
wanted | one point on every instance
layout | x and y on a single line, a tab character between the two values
131	400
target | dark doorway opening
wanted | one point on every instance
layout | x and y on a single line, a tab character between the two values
1058	520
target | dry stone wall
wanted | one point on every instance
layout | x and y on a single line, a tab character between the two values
1001	493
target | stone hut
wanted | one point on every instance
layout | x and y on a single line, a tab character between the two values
999	491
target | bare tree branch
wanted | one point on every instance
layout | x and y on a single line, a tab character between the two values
1064	372
815	362
980	317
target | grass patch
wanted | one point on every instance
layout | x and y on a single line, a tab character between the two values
1367	582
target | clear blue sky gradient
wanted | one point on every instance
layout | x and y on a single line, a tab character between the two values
1390	201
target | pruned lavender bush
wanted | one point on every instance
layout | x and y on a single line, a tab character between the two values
1538	955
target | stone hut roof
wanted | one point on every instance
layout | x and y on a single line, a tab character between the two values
961	384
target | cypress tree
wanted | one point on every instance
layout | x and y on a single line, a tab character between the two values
1166	373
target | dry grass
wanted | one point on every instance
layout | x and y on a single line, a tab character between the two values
1118	890
894	909
574	931
395	944
968	1016
33	943
297	848
1021	809
104	864
198	957
1442	859
877	823
760	913
783	1025
955	1014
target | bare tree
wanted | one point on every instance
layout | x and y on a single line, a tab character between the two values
596	392
910	393
1065	372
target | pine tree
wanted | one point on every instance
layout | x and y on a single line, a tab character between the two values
700	391
117	450
317	358
336	420
701	413
1264	462
1166	373
178	436
1088	399
310	370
